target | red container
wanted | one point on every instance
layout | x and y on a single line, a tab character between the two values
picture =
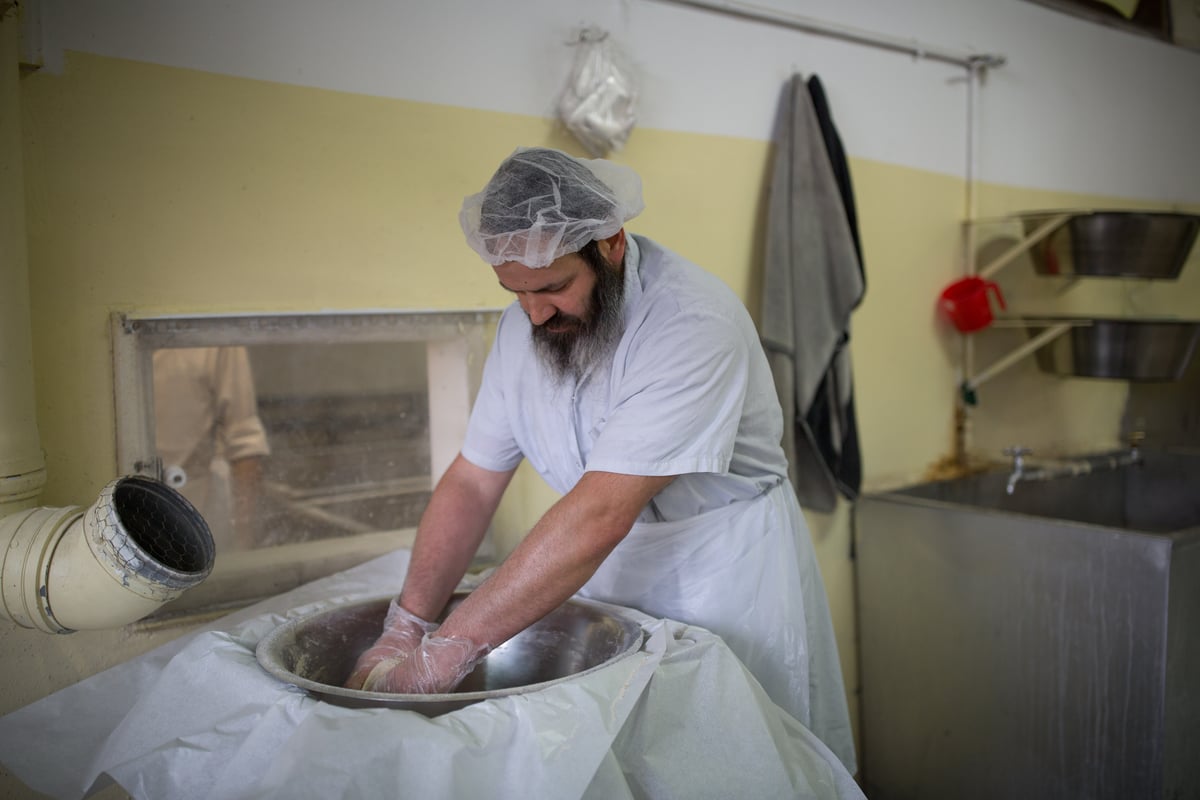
965	303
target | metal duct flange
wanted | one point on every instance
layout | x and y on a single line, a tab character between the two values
140	545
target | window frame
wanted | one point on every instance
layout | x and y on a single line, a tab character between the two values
456	348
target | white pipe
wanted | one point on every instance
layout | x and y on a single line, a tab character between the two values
844	32
22	467
141	544
974	76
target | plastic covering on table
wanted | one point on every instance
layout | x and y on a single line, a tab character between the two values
200	718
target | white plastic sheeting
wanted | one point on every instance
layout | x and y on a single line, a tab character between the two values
199	718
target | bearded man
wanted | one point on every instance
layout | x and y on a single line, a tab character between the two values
635	384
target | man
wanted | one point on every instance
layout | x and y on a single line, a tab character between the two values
635	384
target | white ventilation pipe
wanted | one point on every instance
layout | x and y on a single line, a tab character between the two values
141	544
22	468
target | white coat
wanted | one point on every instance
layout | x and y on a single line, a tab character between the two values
724	546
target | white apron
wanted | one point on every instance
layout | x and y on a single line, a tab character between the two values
748	573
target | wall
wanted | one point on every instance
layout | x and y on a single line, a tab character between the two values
182	157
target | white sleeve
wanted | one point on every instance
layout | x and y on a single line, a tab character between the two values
241	429
489	442
680	400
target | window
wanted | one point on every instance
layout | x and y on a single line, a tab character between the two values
309	443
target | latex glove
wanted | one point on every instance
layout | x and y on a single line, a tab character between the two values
438	665
402	633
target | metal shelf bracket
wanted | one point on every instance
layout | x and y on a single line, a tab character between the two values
1051	333
1051	224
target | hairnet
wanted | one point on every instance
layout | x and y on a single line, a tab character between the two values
542	204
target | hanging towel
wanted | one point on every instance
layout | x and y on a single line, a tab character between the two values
836	434
813	280
839	165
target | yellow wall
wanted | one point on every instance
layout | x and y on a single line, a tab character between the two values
161	190
164	190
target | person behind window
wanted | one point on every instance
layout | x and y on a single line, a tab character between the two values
209	436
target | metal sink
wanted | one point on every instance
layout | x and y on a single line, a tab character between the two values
1043	643
1158	495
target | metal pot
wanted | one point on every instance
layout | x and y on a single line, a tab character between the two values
318	651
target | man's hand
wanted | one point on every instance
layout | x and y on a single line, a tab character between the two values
402	633
437	666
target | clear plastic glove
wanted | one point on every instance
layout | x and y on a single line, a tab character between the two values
438	665
402	633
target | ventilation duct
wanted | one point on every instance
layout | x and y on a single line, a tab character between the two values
141	543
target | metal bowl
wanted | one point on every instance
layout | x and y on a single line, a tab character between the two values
1114	244
1127	349
318	651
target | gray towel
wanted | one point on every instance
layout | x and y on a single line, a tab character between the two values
812	282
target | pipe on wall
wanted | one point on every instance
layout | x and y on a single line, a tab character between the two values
141	544
846	33
22	467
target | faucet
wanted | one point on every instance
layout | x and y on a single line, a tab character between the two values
1022	471
1135	443
1018	456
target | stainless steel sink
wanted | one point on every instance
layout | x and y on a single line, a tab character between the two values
1040	644
318	651
1160	495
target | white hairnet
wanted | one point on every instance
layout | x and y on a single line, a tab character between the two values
542	204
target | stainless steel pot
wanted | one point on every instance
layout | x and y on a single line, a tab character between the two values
318	651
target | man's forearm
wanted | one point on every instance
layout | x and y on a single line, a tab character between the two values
558	556
448	535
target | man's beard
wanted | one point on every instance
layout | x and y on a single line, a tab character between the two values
586	341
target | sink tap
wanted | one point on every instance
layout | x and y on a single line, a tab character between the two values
1135	445
1018	466
1065	468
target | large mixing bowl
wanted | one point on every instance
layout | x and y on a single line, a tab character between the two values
318	651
